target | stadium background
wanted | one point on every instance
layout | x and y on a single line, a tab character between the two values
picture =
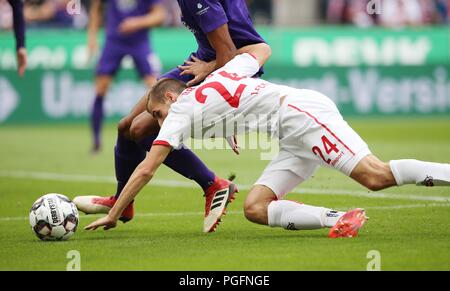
316	44
389	73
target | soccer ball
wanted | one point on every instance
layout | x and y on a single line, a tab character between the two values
54	217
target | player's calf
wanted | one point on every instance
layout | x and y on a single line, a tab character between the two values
123	127
373	174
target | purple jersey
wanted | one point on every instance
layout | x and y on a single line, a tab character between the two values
204	16
119	10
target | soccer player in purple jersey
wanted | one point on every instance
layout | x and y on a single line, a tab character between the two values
222	29
19	33
127	26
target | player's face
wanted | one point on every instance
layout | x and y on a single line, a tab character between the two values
160	110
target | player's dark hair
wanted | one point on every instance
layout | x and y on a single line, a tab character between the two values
162	86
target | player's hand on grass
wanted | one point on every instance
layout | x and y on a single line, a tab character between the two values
21	60
107	222
198	68
129	25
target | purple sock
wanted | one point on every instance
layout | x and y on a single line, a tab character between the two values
185	163
97	119
127	156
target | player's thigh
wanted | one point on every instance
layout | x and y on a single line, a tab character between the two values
143	125
278	178
337	146
285	172
325	137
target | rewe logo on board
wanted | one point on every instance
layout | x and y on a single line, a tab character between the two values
351	51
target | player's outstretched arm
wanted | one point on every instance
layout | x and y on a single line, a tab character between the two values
19	33
261	52
220	40
154	17
141	176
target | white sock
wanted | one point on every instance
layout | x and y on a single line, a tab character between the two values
294	216
419	173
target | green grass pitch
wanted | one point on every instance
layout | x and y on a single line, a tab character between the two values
409	226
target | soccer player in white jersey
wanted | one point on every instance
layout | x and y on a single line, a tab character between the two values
311	133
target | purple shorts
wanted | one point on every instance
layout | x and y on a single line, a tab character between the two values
145	61
175	74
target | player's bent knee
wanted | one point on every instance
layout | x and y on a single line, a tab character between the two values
101	89
257	203
102	84
143	125
138	130
124	125
254	212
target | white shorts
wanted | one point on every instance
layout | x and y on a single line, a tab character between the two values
312	133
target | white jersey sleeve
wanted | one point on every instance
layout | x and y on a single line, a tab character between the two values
176	128
244	65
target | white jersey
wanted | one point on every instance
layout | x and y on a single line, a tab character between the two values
228	102
310	129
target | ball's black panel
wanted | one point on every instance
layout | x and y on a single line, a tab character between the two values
37	204
73	219
41	224
64	198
